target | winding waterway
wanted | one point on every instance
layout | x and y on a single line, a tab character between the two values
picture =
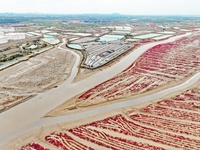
28	115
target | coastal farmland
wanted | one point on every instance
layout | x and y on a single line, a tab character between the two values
159	66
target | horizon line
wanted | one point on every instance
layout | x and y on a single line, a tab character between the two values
42	13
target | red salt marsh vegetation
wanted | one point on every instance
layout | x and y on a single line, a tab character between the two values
155	126
161	64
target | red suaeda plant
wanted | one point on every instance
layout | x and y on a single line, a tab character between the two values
33	146
159	65
171	112
92	132
166	124
65	142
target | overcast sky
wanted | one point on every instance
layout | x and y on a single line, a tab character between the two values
134	7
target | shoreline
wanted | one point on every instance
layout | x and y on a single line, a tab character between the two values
79	109
134	56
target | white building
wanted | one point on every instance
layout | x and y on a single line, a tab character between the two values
7	29
15	36
1	33
3	39
45	31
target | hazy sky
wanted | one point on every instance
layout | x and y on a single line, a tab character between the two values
135	7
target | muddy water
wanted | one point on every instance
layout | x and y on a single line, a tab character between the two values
29	114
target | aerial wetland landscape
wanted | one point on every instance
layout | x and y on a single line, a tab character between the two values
96	81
